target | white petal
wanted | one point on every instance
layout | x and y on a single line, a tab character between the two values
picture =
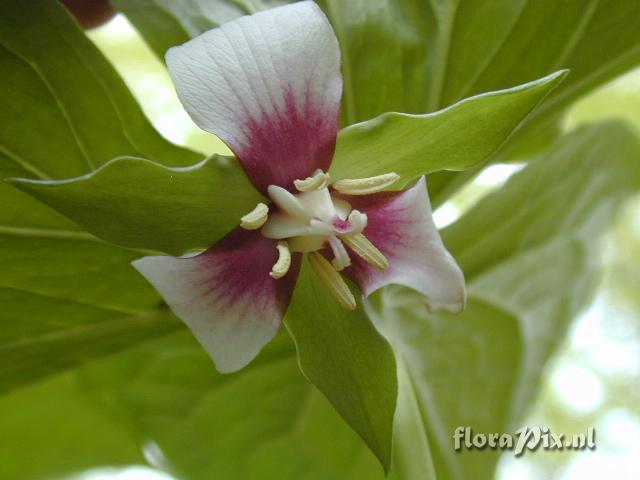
225	295
401	226
269	85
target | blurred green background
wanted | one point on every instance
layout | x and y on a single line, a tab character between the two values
593	381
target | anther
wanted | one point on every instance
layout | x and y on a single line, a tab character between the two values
367	250
256	218
318	181
366	186
333	281
281	267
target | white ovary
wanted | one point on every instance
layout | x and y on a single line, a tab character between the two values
311	220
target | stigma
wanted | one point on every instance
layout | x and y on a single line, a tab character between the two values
316	220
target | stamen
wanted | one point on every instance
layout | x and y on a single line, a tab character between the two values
341	258
256	218
332	279
281	267
363	247
318	181
366	186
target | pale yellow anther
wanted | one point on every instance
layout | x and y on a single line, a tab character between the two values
333	281
366	186
318	181
367	250
256	218
281	267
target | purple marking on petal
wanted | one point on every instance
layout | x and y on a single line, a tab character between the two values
225	295
288	145
400	225
237	267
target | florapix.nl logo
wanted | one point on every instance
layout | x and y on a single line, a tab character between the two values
526	438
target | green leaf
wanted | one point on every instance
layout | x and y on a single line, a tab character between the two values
529	253
66	296
458	370
166	23
65	110
52	428
455	138
577	185
264	422
418	57
137	203
342	354
536	268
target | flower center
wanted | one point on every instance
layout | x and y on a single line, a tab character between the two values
315	218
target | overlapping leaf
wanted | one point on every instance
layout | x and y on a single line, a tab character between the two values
476	369
420	56
66	296
138	203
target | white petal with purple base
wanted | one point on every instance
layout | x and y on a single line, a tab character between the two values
269	85
400	224
225	295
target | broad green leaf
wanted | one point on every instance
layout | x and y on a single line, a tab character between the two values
52	428
533	268
479	368
576	186
420	56
264	422
65	110
342	354
455	138
458	370
66	296
137	203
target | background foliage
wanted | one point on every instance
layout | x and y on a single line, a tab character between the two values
529	249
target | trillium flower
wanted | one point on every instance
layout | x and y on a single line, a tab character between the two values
269	85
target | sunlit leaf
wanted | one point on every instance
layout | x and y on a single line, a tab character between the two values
455	138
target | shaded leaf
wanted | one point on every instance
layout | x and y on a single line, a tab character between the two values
343	355
532	270
54	422
137	203
418	57
66	296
